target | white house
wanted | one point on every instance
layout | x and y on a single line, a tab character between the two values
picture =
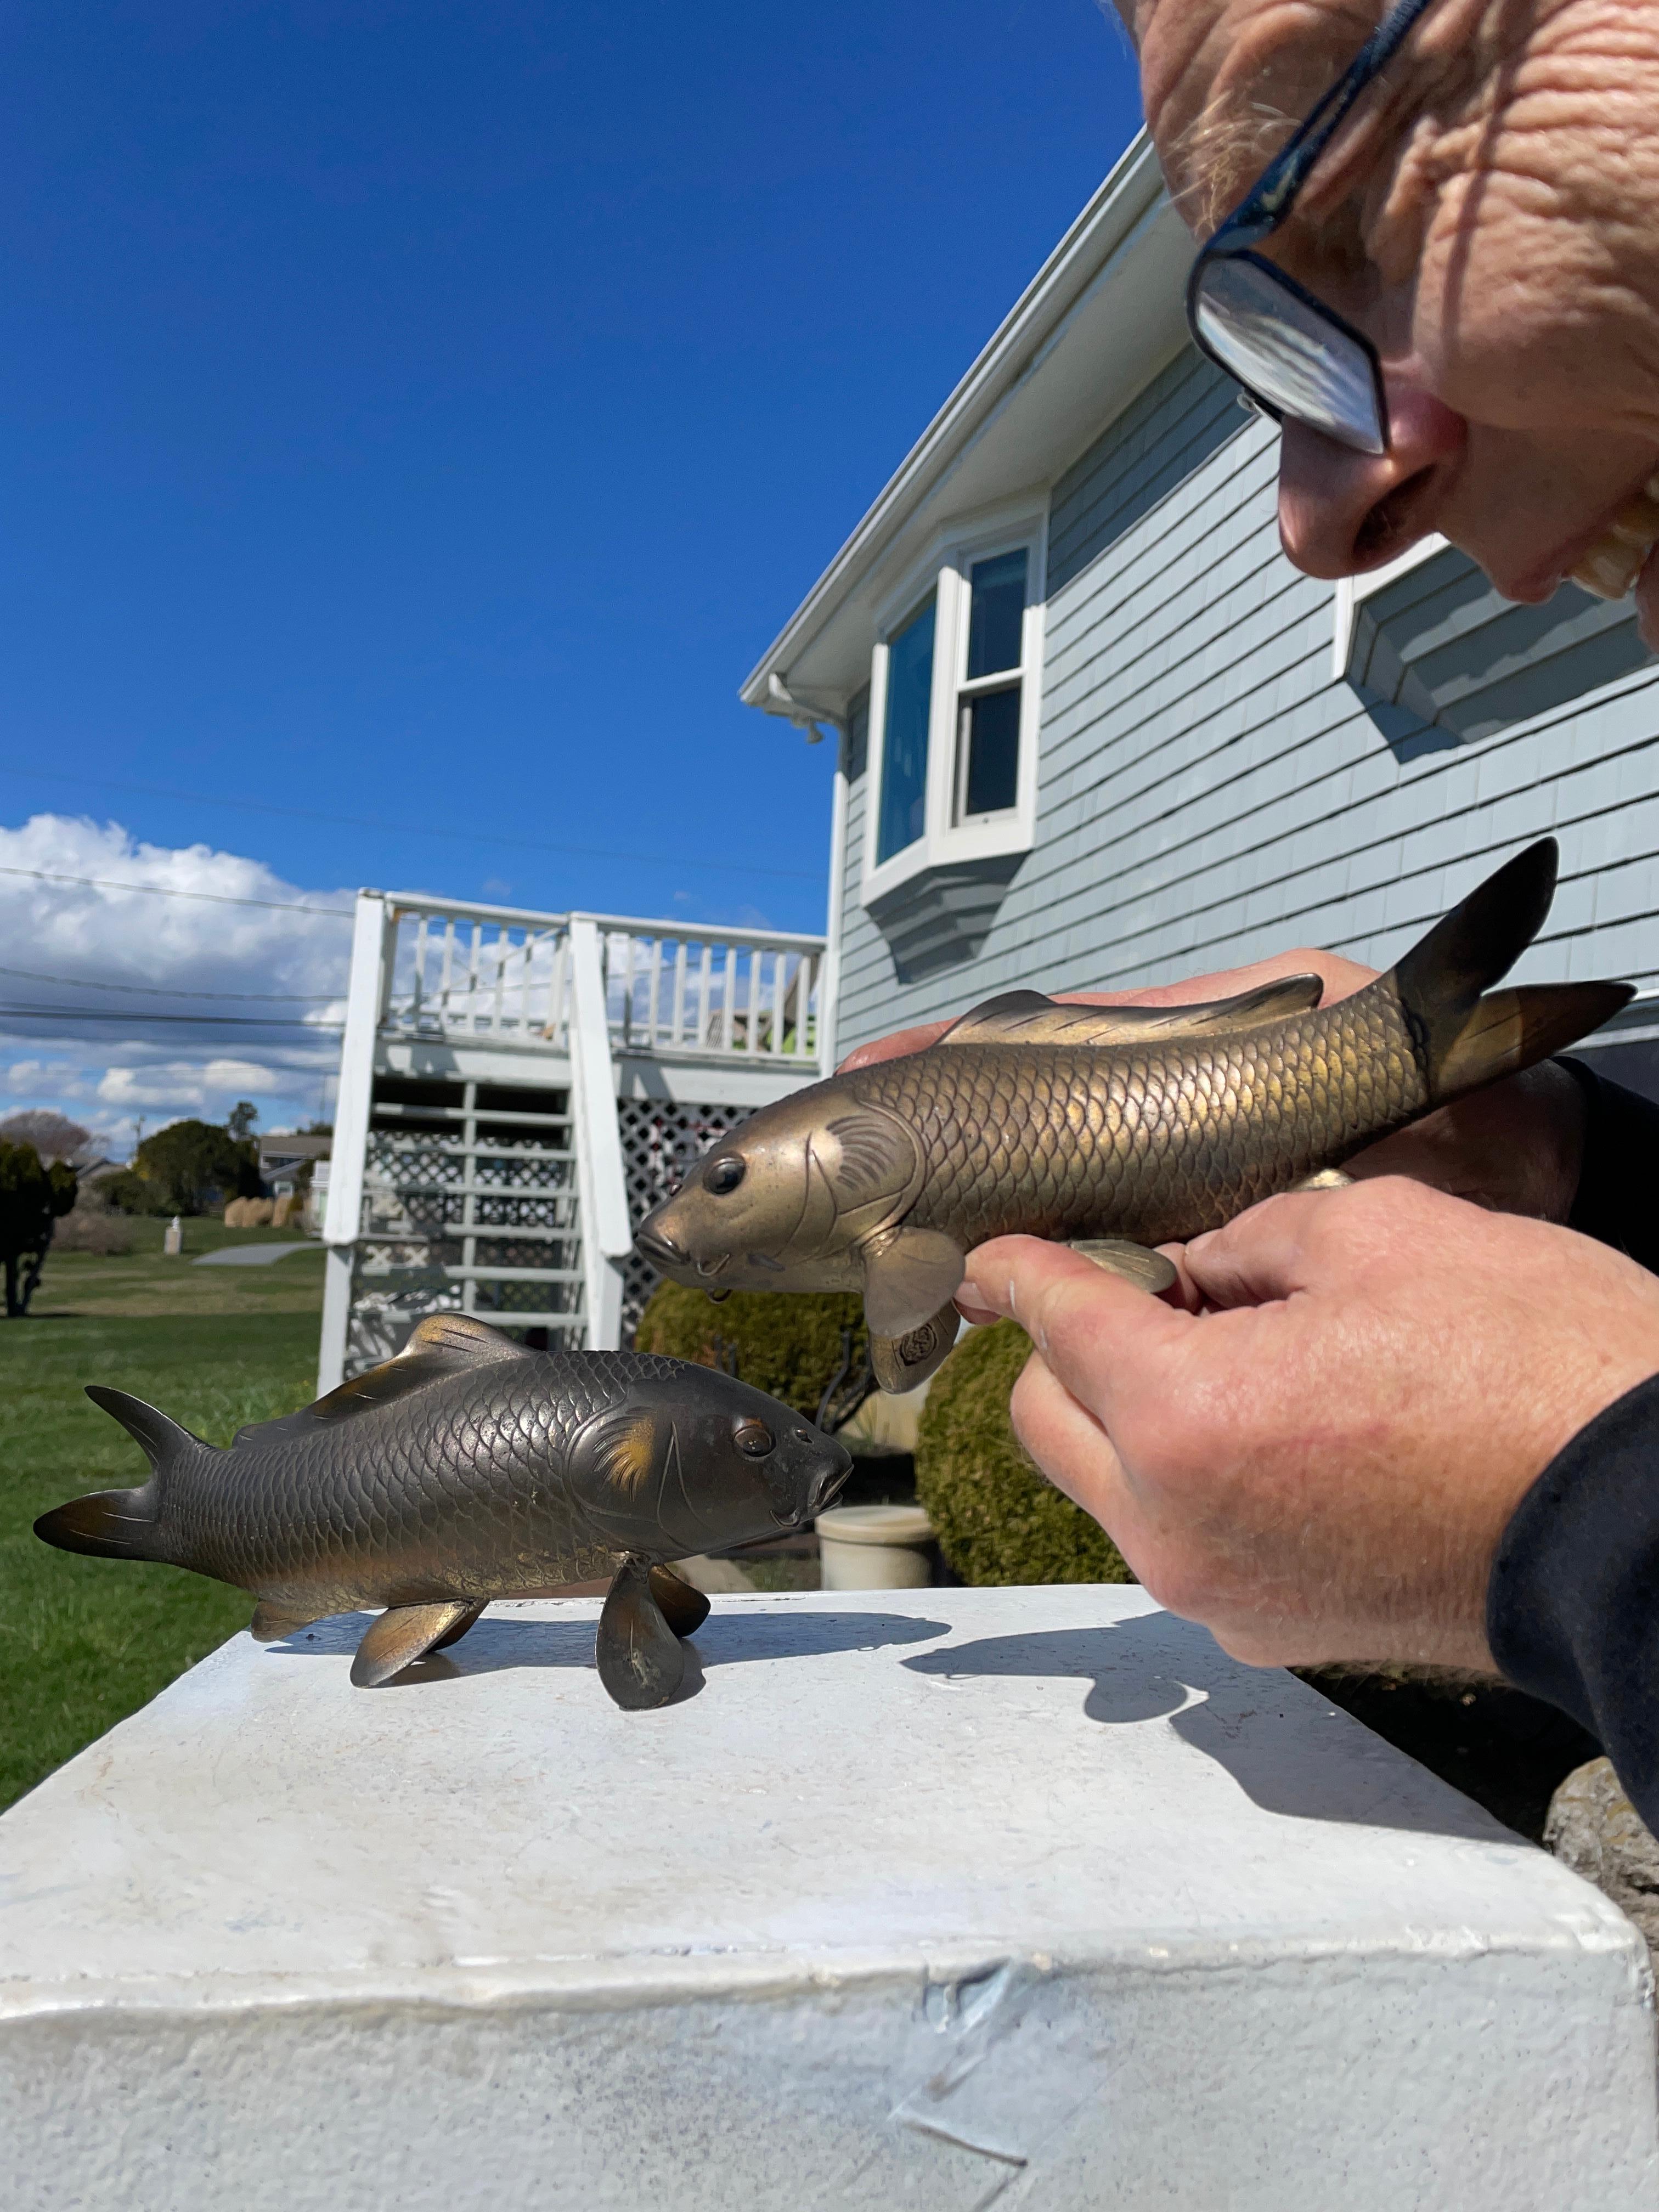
1095	729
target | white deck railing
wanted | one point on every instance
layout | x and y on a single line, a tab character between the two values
456	970
588	989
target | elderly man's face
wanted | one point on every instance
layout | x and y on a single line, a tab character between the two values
1491	218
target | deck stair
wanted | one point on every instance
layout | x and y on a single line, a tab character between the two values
517	1089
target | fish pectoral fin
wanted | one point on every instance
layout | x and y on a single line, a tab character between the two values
640	1660
470	1619
1324	1179
684	1609
908	1274
443	1343
904	1363
1131	1263
1028	1017
405	1633
272	1621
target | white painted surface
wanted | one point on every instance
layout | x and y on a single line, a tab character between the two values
607	1232
930	1899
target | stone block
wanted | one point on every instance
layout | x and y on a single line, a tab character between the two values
933	1898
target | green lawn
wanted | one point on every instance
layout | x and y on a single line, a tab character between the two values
85	1642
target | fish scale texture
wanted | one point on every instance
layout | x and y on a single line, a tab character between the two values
1159	1142
466	1486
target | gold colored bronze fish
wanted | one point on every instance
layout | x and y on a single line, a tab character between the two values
466	1469
1118	1127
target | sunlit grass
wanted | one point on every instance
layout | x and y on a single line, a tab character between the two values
85	1642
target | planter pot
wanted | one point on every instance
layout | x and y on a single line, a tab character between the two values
875	1547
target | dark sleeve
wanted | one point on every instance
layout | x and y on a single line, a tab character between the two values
1618	1201
1572	1607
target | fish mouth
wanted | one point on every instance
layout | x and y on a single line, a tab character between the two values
660	1250
828	1485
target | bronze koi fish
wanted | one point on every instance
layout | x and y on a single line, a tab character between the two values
1116	1128
465	1470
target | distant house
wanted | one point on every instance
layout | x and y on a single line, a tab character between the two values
284	1155
1094	729
99	1169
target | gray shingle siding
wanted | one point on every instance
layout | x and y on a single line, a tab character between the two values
1208	792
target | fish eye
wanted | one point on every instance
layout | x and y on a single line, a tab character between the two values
723	1174
754	1439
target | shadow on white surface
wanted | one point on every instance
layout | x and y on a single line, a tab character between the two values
499	1642
1159	1666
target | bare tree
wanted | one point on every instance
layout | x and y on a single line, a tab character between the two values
53	1136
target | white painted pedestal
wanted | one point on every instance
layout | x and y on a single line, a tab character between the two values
931	1899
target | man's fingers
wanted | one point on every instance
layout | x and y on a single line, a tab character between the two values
1088	1325
1262	1255
1067	1442
894	1047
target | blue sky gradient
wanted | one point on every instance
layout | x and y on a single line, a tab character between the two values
424	415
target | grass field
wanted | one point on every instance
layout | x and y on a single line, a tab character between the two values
85	1642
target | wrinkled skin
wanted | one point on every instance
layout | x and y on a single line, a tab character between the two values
1489	217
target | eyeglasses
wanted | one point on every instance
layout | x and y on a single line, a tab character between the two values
1293	356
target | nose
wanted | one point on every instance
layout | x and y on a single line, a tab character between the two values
1341	513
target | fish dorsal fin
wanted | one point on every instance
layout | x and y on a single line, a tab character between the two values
442	1344
164	1440
1027	1017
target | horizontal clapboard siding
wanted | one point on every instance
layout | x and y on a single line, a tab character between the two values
1208	792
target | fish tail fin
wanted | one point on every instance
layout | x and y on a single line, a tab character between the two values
109	1524
124	1524
1473	1034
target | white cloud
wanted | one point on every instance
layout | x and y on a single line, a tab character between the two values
63	946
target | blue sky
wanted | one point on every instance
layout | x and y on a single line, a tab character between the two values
422	416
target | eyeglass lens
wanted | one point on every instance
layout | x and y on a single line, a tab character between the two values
1284	350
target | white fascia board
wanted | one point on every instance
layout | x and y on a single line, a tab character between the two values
1101	316
1350	593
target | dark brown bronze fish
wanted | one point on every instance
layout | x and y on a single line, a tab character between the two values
1118	1127
466	1469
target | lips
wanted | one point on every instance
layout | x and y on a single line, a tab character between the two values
1610	566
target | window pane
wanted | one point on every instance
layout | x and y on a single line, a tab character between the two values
997	614
990	737
904	736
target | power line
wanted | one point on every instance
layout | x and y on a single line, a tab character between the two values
167	890
200	1021
172	991
409	830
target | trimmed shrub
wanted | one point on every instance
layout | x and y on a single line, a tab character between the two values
998	1519
92	1229
786	1343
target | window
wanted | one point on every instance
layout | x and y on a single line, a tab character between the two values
988	703
953	709
904	734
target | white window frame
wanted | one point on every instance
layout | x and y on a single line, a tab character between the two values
1352	591
944	570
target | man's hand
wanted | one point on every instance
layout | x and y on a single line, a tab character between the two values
1516	1146
1317	1453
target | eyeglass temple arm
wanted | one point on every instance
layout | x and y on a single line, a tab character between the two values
1287	173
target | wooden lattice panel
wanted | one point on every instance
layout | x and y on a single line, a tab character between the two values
662	1139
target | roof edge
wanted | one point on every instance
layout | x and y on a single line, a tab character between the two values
1124	196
